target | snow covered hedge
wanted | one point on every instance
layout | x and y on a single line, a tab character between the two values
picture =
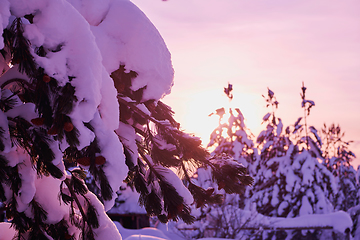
303	180
81	85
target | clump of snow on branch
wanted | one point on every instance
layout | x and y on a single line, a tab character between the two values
136	43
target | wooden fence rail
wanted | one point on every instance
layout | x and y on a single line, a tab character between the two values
267	228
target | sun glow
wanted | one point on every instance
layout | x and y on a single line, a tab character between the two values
193	111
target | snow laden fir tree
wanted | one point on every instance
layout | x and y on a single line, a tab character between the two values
80	93
299	176
290	180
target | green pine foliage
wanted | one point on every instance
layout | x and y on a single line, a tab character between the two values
153	143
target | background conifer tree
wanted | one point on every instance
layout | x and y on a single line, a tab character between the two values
290	181
292	172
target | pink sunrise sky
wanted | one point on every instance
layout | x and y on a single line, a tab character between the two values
259	44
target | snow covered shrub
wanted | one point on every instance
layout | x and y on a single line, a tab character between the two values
291	176
80	94
290	180
337	158
292	186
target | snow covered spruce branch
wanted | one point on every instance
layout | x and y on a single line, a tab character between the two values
80	96
170	147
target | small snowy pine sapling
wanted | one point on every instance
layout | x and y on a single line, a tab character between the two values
271	140
231	140
231	137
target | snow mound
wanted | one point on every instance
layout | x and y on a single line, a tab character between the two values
340	221
144	233
143	237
